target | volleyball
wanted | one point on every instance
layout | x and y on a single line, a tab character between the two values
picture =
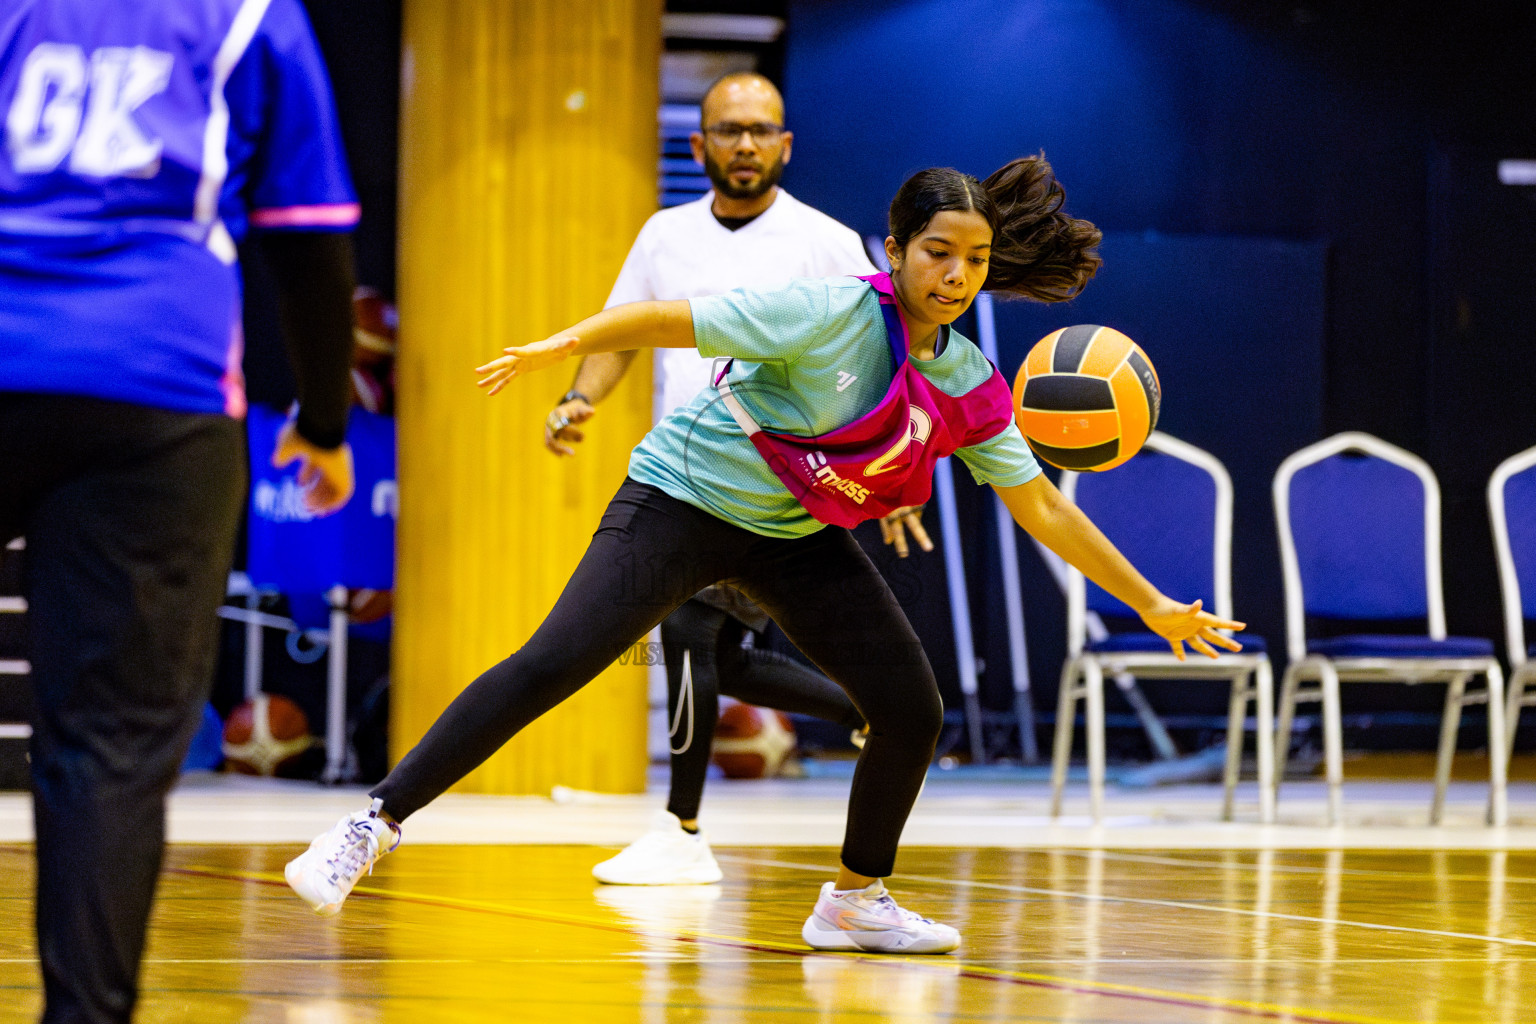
752	742
265	735
1086	398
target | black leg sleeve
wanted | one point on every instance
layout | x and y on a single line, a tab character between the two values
769	679
693	701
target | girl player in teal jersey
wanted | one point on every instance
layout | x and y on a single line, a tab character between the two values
831	402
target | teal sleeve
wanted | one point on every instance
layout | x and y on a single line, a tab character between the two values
760	326
1003	461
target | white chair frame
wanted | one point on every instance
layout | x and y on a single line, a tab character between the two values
340	759
1522	671
1328	673
1082	677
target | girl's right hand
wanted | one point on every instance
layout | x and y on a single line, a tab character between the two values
524	359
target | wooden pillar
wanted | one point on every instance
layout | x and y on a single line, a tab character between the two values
528	164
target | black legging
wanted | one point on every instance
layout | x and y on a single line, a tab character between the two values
649	555
719	664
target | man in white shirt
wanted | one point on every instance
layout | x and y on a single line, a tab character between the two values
746	233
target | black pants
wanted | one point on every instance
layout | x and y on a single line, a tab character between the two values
719	664
649	555
130	516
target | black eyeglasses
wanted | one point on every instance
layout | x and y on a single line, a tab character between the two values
727	132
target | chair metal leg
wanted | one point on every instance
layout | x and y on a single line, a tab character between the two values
1517	683
1061	749
1024	718
1237	706
1450	719
1498	760
1093	697
254	652
337	766
1333	740
1263	699
1288	686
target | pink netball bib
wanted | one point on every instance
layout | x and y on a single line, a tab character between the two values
883	460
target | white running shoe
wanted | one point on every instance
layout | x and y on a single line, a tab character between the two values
666	855
869	920
324	874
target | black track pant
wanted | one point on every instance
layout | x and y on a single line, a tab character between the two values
719	664
649	555
130	516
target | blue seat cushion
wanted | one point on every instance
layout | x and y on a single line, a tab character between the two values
1151	643
1374	646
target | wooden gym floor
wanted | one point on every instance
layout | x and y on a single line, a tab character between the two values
520	933
1159	916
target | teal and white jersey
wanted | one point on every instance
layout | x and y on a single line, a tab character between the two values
809	357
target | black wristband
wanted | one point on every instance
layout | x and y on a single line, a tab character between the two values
572	396
320	435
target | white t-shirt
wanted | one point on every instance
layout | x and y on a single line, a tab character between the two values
685	253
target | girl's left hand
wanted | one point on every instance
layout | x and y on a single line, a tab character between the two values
1186	623
524	359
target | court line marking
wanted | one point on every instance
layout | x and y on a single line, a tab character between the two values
1151	902
277	960
1242	1007
1295	868
648	957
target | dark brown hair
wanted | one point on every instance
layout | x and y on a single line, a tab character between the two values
1038	252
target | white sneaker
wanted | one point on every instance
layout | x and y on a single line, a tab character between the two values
868	919
324	874
666	855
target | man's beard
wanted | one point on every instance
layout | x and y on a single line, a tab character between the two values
724	186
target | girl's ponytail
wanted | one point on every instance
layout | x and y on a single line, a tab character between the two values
1038	251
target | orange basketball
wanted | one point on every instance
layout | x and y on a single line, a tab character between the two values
265	735
1086	398
752	742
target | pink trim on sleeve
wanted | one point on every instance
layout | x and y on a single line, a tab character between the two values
327	215
233	381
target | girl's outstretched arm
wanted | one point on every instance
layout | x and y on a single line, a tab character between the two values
1046	514
630	326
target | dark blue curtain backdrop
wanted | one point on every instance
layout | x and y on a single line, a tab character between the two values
1234	327
1305	227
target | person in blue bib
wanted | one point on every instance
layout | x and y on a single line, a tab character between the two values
142	142
831	399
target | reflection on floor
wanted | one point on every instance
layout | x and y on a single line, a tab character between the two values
1096	936
1159	915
